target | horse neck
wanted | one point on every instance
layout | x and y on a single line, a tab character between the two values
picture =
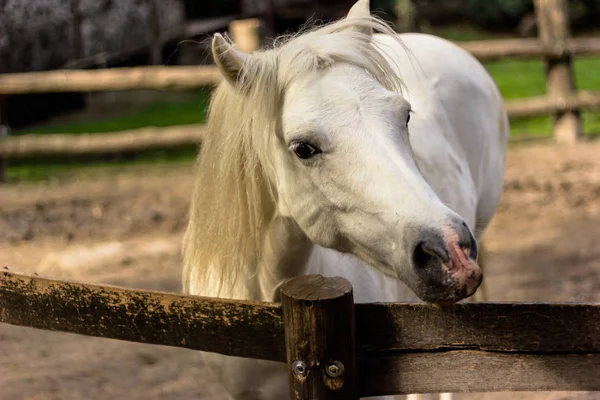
284	255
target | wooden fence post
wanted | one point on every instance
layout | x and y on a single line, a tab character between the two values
407	18
318	316
245	33
553	26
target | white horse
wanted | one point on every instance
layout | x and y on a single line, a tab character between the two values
311	166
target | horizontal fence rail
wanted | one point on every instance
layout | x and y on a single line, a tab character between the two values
186	77
157	77
235	328
488	50
151	138
31	145
543	105
401	347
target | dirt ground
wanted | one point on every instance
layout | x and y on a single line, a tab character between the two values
125	228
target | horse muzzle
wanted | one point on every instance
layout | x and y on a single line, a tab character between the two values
445	263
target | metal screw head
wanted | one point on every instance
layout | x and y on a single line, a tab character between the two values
299	368
335	369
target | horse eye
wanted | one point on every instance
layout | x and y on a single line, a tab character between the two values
407	118
304	150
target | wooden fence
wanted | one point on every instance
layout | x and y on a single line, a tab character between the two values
333	348
135	140
554	45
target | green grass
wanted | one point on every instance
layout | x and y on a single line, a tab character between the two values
59	168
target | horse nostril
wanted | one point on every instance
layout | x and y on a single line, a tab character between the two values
474	251
429	251
466	241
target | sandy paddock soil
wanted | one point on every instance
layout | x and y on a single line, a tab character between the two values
125	228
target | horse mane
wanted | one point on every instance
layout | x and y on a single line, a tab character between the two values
233	200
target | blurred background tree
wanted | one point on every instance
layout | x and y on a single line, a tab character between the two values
506	14
497	14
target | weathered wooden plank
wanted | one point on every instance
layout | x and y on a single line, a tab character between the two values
497	49
318	314
476	371
186	78
543	105
155	77
505	327
149	138
402	348
236	328
381	327
554	30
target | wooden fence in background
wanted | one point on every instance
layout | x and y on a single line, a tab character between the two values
333	348
554	45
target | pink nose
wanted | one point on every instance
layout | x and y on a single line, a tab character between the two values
446	264
462	262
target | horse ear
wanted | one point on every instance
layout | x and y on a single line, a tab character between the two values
361	9
229	60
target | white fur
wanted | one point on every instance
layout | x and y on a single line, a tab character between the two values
260	215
